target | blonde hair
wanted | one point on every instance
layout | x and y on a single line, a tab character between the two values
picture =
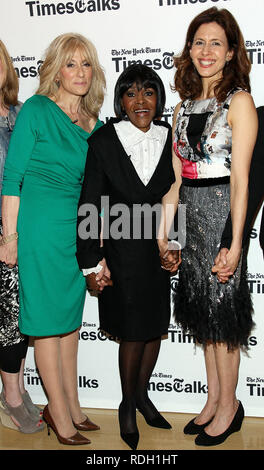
9	90
58	54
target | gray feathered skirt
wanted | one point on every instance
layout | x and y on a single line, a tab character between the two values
204	307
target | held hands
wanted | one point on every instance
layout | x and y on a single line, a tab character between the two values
170	258
226	263
97	282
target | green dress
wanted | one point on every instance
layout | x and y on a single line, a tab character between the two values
45	166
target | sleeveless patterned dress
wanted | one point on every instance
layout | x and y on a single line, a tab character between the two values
204	307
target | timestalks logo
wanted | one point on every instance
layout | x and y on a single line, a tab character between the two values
28	71
165	61
178	386
168	3
95	335
35	8
83	381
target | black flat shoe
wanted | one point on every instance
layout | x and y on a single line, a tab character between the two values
157	422
131	439
203	439
193	428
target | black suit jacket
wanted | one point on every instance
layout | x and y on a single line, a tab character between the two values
110	172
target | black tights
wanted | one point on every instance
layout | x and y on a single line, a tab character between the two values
137	360
12	356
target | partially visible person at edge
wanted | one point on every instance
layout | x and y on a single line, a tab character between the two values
16	408
41	188
256	195
215	128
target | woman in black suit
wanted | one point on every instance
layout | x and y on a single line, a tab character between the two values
130	163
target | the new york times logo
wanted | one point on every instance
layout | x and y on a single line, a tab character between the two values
256	283
36	8
168	3
255	386
255	51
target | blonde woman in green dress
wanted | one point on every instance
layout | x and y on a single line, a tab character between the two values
41	188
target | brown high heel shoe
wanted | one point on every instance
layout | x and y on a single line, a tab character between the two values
86	425
75	440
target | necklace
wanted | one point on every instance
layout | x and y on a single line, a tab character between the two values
73	116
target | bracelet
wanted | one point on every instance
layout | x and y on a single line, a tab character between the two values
8	238
174	245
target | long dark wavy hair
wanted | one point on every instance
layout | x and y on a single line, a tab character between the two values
188	83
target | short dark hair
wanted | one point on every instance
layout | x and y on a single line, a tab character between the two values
144	77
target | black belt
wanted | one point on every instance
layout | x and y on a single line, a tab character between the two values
203	182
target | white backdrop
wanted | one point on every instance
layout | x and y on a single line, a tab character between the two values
150	31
